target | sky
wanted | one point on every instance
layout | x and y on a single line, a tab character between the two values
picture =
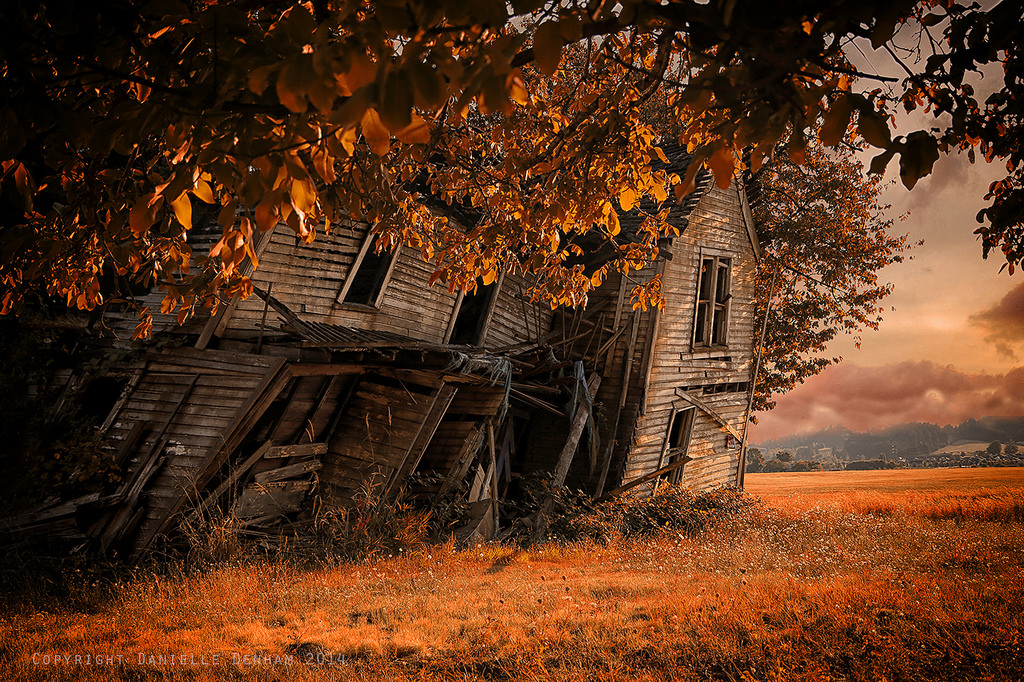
951	344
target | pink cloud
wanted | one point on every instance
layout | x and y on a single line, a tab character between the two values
865	398
1004	322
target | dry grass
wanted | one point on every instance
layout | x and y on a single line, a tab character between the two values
776	594
991	494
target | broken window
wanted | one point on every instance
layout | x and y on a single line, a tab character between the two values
679	430
472	314
711	327
368	275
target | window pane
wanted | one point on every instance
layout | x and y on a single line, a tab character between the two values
369	278
706	270
469	322
701	324
722	282
718	332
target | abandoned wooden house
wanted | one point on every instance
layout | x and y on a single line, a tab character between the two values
349	374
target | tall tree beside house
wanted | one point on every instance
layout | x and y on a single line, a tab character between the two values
120	121
825	236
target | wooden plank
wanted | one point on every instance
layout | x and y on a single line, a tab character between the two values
644	479
438	406
711	412
303	450
232	478
274	380
253	503
288	471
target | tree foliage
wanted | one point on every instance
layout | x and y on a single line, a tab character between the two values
123	123
824	236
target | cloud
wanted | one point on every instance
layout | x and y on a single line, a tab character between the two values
866	398
1004	322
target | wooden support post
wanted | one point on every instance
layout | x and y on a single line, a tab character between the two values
583	413
494	473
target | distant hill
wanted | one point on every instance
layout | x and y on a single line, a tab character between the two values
902	440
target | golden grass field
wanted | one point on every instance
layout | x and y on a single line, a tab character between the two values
810	585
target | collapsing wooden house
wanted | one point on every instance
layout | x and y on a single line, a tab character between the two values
348	372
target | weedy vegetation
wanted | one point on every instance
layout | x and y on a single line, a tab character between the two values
806	583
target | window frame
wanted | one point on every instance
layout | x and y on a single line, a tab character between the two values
719	303
488	314
672	453
353	270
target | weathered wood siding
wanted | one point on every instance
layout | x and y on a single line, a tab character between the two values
219	391
472	404
514	319
380	424
716	226
308	278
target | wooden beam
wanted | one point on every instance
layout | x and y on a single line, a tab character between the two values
583	414
645	478
232	478
465	457
309	369
288	471
562	464
694	400
441	399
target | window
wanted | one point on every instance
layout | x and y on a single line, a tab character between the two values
368	275
711	327
472	314
678	441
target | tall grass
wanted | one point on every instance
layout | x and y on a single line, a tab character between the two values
765	593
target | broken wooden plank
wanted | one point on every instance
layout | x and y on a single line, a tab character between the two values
645	478
127	514
442	399
583	415
288	471
232	478
303	450
722	421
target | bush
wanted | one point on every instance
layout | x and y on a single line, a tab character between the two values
672	508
